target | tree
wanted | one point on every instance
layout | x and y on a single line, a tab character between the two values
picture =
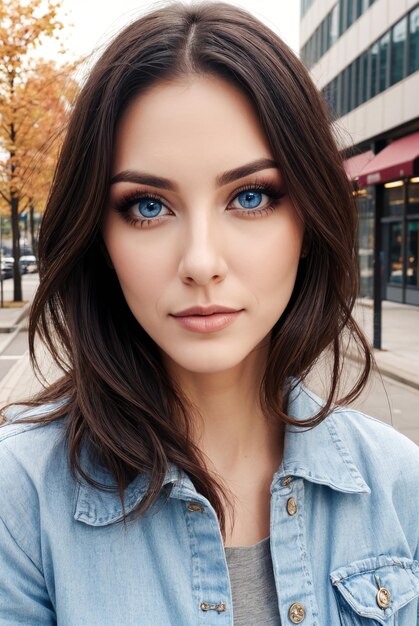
23	27
43	103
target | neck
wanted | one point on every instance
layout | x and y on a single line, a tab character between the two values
229	426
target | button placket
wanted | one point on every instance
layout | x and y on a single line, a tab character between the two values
290	557
210	578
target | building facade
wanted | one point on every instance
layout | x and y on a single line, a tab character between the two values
364	57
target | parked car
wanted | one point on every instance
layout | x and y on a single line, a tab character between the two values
28	264
7	263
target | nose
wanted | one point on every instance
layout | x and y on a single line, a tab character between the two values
202	259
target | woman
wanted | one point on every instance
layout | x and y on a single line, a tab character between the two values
197	257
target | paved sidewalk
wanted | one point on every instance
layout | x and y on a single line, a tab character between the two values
399	356
398	360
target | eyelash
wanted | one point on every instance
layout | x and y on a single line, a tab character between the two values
127	201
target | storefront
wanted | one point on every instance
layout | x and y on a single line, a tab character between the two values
387	192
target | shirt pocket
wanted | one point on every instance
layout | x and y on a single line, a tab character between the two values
372	591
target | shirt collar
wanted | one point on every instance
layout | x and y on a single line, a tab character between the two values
318	455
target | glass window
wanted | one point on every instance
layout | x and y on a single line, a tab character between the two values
398	45
339	108
384	48
412	278
393	201
345	89
317	43
413	199
334	24
349	12
342	24
324	31
356	83
328	22
365	202
374	69
364	71
335	96
358	8
414	41
395	265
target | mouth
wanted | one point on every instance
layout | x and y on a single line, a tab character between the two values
205	311
212	320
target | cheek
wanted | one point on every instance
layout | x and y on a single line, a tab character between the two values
141	269
271	256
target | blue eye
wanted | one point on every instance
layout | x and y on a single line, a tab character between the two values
148	207
250	199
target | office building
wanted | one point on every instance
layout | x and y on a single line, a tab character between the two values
364	57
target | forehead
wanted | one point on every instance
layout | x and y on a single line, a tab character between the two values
196	119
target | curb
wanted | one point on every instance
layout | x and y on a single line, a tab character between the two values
24	312
11	380
384	370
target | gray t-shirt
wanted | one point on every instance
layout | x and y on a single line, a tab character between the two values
255	602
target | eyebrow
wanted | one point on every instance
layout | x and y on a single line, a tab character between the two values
132	176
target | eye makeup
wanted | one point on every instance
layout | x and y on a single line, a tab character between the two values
125	204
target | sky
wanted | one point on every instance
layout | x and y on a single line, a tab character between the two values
95	22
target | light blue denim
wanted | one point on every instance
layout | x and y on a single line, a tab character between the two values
353	531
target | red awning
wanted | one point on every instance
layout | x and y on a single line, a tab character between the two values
395	161
354	165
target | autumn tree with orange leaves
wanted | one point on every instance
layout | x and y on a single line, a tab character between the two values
35	97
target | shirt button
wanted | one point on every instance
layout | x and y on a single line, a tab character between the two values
291	506
296	613
383	598
286	481
195	507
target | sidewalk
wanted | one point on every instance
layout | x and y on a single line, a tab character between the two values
399	358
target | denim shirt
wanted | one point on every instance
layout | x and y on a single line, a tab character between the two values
343	534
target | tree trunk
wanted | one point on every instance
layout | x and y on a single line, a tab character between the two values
32	229
17	278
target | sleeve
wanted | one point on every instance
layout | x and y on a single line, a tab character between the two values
23	595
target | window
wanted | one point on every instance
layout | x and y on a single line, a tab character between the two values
398	46
342	22
374	69
358	8
384	48
413	199
346	90
335	96
341	94
394	201
414	41
364	95
412	277
323	35
395	264
349	12
334	24
354	85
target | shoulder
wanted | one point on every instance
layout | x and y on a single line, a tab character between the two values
32	455
29	441
381	453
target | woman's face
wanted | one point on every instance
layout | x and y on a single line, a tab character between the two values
198	216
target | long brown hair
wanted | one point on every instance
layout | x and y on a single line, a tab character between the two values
116	396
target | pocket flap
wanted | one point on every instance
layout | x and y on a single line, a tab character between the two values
358	584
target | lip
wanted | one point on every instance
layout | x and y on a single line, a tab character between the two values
205	310
208	323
